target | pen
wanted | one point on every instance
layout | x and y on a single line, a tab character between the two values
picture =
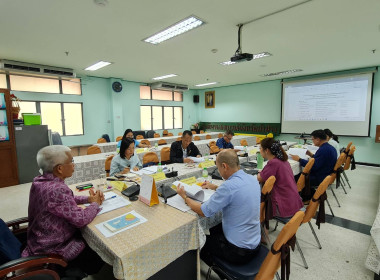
111	197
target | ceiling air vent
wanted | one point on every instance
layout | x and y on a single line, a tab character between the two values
169	86
16	66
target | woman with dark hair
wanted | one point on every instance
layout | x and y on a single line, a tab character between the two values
126	159
128	133
332	140
285	198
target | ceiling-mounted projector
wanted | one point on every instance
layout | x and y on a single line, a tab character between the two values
239	55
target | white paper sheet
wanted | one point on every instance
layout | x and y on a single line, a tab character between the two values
298	152
111	202
197	159
312	148
178	202
107	233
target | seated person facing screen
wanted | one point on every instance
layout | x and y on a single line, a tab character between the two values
181	150
285	198
126	159
325	159
332	140
237	238
225	141
129	134
53	213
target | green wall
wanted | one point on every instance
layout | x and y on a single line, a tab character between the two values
261	102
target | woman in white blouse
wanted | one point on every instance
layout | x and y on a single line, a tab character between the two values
333	140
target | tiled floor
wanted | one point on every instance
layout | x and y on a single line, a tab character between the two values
344	243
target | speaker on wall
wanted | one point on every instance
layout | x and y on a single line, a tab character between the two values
196	98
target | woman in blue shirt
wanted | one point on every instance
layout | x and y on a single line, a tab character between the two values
126	160
129	134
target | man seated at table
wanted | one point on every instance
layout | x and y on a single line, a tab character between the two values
55	218
225	141
237	238
128	133
181	150
325	159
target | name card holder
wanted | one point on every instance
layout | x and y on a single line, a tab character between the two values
158	176
206	164
148	191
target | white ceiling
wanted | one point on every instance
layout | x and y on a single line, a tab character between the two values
317	36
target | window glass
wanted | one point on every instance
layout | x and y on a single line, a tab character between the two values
51	116
144	92
162	95
27	107
157	117
146	118
168	117
3	81
33	84
71	87
73	117
177	117
178	96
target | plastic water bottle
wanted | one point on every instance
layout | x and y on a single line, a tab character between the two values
205	173
159	168
260	161
156	145
245	150
206	157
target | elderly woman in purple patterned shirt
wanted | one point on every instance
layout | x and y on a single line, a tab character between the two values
54	216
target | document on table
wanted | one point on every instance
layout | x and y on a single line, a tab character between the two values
312	148
149	170
111	202
178	202
298	152
197	159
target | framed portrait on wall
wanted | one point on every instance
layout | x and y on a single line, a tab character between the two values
210	99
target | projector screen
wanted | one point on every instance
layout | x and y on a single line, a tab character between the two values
342	104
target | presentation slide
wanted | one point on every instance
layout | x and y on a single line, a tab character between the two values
341	104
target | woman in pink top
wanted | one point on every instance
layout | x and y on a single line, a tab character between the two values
285	198
54	216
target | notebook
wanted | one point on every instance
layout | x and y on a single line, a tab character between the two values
121	222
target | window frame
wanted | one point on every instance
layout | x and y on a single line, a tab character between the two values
38	110
163	116
151	95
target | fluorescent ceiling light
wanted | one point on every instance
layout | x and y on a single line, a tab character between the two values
255	56
97	65
165	77
282	72
181	27
207	84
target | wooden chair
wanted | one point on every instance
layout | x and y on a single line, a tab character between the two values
101	140
266	211
138	137
107	165
170	134
93	150
335	175
304	179
165	155
161	142
149	159
179	138
208	136
286	238
258	140
193	132
37	266
201	132
214	149
197	138
220	135
145	142
318	199
156	135
243	142
165	133
119	138
349	159
179	133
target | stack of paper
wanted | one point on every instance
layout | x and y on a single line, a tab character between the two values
298	152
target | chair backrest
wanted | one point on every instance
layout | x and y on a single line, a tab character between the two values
156	135
193	132
243	142
150	134
106	136
107	165
179	138
267	188
341	159
212	143
258	140
302	179
349	156
220	135
101	140
197	138
145	142
56	138
150	157
165	133
170	134
93	150
201	132
179	133
313	205
348	148
214	150
165	155
161	142
272	261
139	137
119	138
208	136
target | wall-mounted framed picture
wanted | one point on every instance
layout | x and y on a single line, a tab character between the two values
210	99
